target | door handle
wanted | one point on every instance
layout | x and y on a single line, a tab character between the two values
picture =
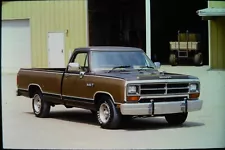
62	50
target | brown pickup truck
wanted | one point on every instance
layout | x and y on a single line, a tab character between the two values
115	84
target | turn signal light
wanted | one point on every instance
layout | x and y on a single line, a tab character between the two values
133	98
194	95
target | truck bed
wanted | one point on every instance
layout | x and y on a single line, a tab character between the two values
49	80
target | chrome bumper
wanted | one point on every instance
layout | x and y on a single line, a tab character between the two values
158	108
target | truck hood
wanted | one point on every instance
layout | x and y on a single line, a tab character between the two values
145	75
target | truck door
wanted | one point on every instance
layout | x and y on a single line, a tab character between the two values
74	87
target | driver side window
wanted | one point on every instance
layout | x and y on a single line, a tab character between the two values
82	60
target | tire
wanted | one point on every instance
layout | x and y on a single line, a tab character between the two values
198	59
176	119
173	59
112	120
127	118
41	108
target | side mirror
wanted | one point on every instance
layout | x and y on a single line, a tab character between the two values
157	64
73	67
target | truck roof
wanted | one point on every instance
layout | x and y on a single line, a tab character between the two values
109	48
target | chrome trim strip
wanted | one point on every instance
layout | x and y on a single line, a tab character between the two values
42	71
125	92
23	89
76	97
98	76
152	89
103	92
108	94
166	88
163	96
35	85
51	94
175	94
178	88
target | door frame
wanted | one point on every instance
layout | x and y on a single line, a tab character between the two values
64	46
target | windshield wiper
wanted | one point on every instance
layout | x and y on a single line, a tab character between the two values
118	67
142	67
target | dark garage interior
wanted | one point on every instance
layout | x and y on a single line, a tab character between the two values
122	23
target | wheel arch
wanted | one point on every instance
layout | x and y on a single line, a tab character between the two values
32	88
99	94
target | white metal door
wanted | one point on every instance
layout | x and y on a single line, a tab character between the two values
56	57
16	45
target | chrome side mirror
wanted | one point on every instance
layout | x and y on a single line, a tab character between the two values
81	74
73	67
157	64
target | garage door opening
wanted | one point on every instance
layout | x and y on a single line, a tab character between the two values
16	45
167	17
117	23
123	23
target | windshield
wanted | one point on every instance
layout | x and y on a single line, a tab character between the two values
102	60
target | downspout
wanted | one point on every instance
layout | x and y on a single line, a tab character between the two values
148	27
209	40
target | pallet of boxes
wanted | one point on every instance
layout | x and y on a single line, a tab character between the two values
187	46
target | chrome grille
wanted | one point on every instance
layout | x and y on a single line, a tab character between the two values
164	88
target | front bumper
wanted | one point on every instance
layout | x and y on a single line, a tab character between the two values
161	108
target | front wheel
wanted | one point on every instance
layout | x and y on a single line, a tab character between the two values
176	119
41	108
107	114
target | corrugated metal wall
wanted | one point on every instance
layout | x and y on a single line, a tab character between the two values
49	16
217	29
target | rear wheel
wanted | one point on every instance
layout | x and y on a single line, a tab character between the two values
176	119
108	116
41	108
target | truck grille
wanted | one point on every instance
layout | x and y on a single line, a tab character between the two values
164	89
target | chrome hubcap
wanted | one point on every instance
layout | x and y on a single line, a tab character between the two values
104	112
37	103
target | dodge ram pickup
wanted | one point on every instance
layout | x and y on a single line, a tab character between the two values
115	84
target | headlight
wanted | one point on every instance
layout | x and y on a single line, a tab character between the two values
193	87
132	89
